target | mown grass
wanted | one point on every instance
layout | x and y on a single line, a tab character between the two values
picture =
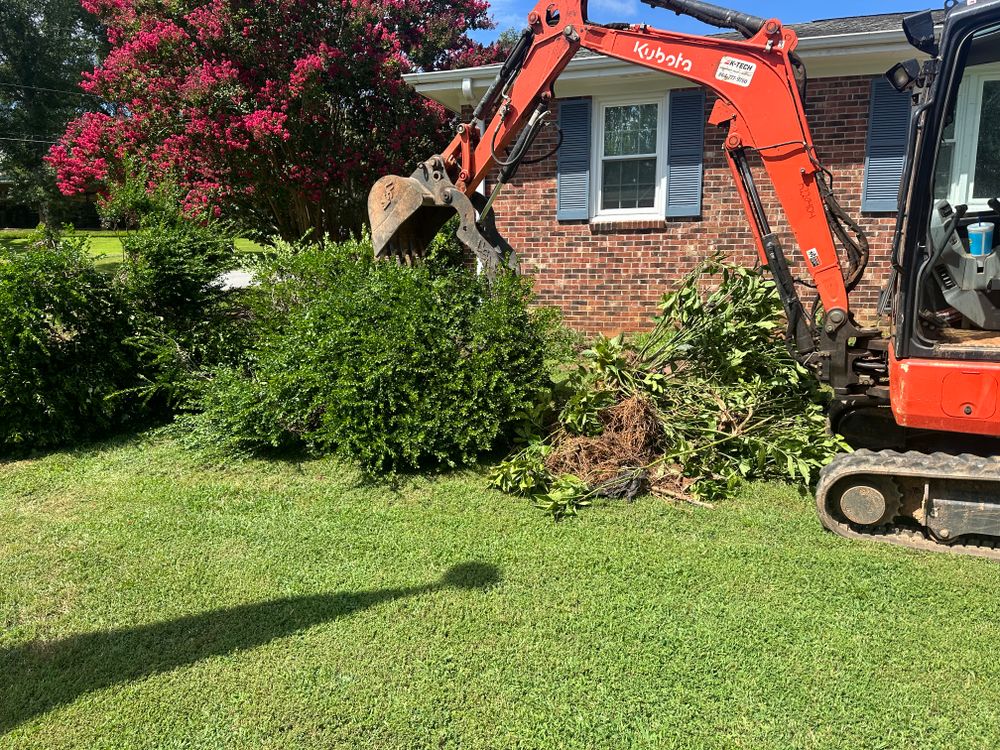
105	246
149	600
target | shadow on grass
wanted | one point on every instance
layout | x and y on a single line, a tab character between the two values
40	676
87	447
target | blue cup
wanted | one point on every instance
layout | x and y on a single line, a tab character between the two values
980	238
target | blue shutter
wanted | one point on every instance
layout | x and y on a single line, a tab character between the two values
573	161
685	152
888	123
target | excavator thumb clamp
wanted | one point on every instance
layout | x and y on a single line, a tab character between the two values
406	213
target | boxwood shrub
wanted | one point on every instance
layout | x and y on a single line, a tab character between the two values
63	350
183	322
396	367
85	353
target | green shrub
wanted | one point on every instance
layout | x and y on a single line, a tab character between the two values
183	322
398	368
62	332
85	353
129	203
169	266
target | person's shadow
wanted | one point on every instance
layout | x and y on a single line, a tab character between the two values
39	676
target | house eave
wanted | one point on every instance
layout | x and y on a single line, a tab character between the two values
870	52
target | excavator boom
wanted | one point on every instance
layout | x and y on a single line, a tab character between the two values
757	82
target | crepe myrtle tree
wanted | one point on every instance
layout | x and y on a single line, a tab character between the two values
279	114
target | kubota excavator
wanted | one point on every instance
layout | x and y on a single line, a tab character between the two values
921	402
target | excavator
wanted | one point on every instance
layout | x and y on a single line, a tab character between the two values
917	400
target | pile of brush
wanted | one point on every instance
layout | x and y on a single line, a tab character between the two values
710	398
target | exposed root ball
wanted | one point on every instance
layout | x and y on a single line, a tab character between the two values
629	441
714	399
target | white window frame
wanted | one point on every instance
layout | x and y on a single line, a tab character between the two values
968	112
658	211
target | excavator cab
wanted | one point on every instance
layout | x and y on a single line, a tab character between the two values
954	287
933	480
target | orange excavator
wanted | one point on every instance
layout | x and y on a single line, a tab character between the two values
920	403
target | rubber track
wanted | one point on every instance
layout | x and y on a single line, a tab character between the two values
909	464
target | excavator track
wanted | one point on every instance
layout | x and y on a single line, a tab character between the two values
911	484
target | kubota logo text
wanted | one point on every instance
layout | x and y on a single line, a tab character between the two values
669	60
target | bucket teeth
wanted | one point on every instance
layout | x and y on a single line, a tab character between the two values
391	204
405	216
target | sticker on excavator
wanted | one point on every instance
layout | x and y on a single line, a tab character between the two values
735	71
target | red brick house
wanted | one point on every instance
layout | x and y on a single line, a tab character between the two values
640	191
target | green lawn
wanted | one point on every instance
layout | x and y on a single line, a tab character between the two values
151	600
105	246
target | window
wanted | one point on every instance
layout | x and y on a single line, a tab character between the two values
968	164
637	158
629	159
628	170
986	177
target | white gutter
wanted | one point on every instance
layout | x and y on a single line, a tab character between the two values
863	53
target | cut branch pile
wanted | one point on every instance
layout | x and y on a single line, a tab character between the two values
709	399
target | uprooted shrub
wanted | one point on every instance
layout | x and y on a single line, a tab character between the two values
395	367
707	400
63	356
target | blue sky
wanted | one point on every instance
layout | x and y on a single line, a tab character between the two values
512	13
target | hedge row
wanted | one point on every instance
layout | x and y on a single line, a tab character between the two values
395	367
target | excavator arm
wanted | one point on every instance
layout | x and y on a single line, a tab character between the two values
758	84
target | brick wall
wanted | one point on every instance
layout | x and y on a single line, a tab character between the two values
608	278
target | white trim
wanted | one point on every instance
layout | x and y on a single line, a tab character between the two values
968	112
598	105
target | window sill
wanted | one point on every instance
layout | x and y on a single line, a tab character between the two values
621	218
609	225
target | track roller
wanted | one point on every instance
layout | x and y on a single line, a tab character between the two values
866	499
925	501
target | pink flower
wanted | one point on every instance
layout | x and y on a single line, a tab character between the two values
265	123
252	108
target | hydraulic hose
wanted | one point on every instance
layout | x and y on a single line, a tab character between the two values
509	167
714	15
843	227
508	70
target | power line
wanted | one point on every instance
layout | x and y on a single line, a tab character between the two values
26	140
51	91
32	135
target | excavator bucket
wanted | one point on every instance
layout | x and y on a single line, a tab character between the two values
405	216
407	212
